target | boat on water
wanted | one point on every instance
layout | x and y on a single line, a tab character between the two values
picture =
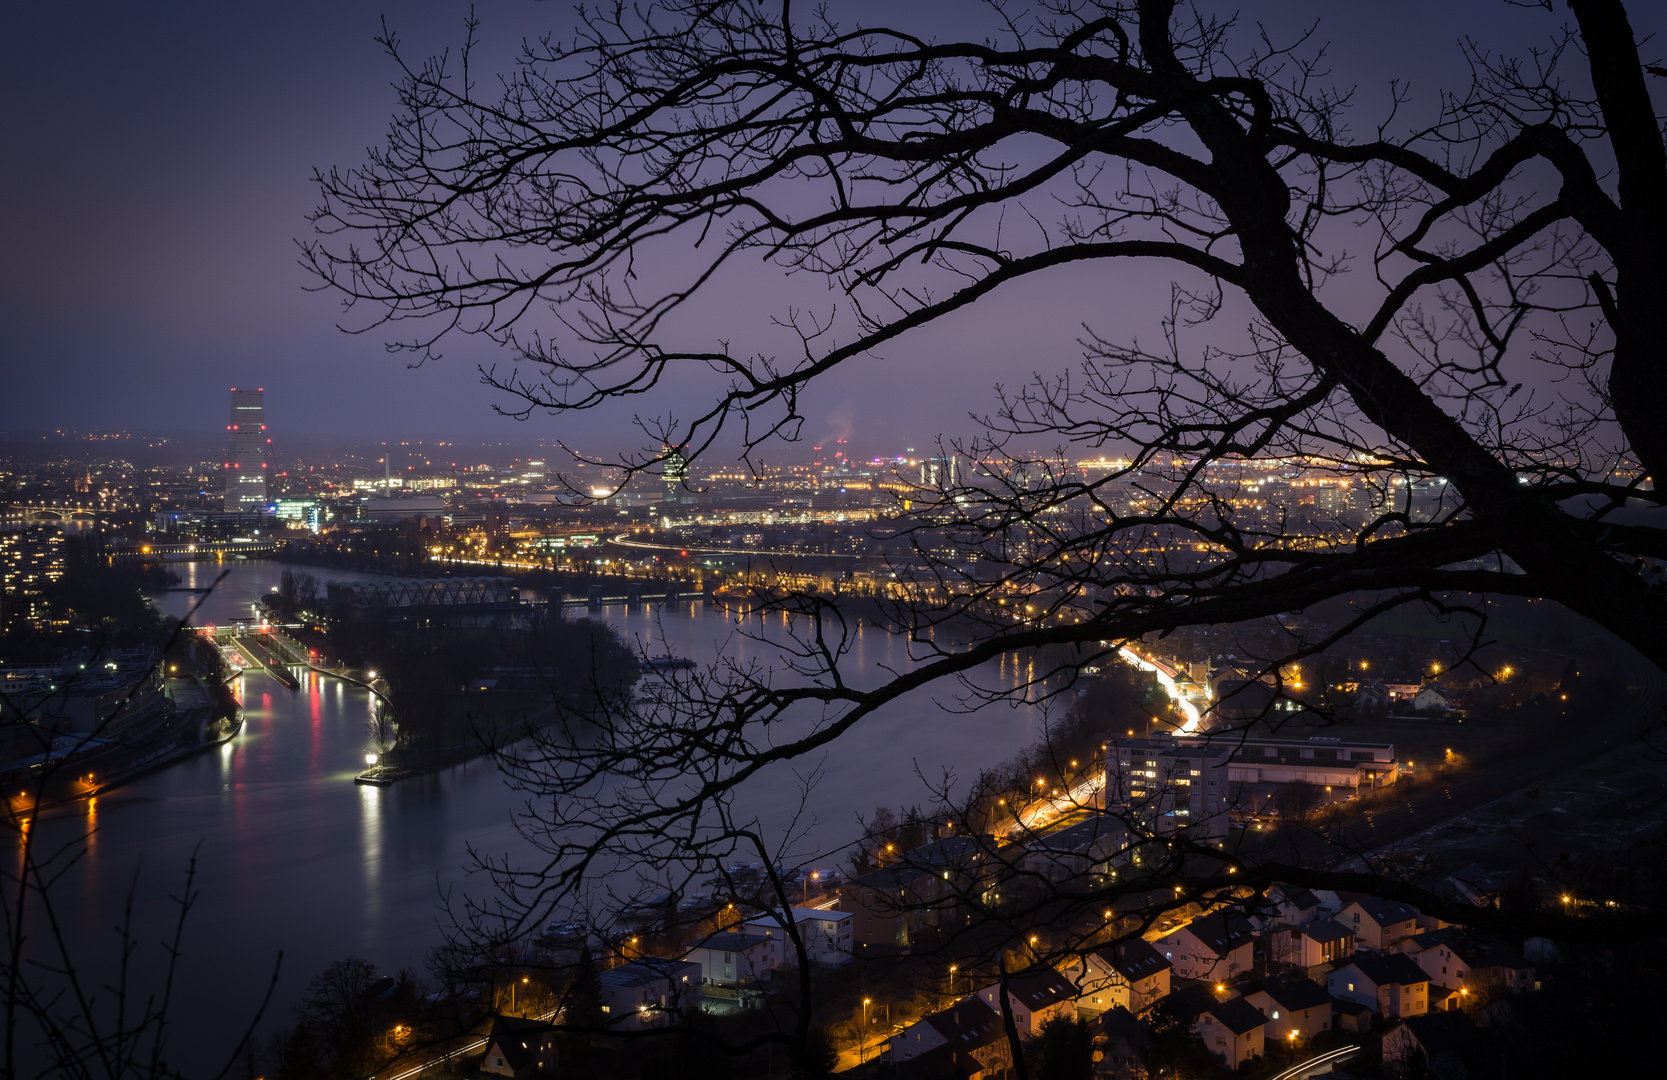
668	663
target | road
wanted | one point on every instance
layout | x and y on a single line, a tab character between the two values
1320	1063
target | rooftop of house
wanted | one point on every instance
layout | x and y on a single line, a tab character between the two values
1040	989
1301	899
1442	1032
1135	959
1385	912
939	1063
1220	931
1430	939
1325	931
967	1024
1118	1024
517	1039
1191	1000
1388	969
1291	994
1484	950
1236	1015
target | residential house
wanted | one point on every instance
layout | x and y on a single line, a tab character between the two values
1295	905
1351	1016
890	905
826	936
1232	1029
968	1027
1129	975
941	1063
1035	998
1432	697
1438	1042
1122	1043
520	1047
648	992
1371	697
1392	984
1217	946
1309	946
1299	1006
732	959
1380	924
1466	963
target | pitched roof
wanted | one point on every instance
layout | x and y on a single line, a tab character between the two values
1429	939
1397	969
1442	1032
1118	1023
1488	950
1189	1001
517	1039
939	1063
1221	932
1383	912
1326	930
1301	899
1237	1015
1135	959
1295	994
1040	989
967	1024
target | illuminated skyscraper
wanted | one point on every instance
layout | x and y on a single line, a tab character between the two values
941	472
246	443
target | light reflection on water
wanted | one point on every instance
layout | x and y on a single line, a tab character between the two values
294	856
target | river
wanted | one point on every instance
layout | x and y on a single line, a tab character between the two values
295	857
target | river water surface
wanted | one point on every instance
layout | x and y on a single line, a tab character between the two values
295	857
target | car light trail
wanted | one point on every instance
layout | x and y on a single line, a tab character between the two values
1166	679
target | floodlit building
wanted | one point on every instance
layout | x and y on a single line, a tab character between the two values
246	456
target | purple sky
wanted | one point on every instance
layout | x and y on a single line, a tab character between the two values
155	177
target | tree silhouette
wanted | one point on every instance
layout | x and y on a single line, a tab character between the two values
1508	245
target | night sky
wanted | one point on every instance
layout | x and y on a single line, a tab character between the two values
156	162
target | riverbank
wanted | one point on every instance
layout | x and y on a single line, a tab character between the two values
102	764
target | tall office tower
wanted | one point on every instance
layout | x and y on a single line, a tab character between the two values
246	453
943	471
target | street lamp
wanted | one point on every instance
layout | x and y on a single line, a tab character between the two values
512	994
952	970
862	1048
